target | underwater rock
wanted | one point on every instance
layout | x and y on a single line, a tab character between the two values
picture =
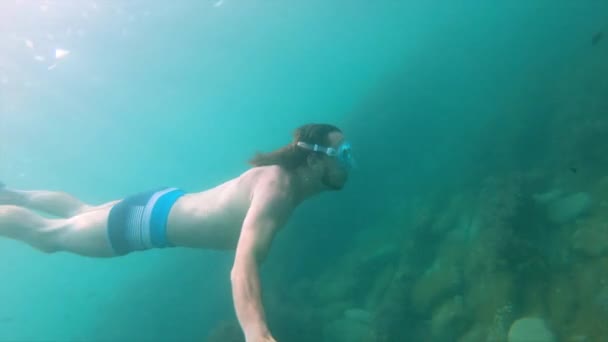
360	315
489	299
438	282
378	259
591	239
329	311
547	197
336	288
449	319
569	207
498	330
565	209
601	299
589	279
450	217
383	287
226	332
530	329
475	334
348	330
562	299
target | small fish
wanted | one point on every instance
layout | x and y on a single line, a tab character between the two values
597	38
573	169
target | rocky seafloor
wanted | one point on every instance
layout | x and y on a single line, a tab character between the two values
517	252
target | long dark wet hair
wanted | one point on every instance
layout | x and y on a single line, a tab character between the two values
290	157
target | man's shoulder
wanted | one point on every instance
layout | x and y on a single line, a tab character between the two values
271	175
272	182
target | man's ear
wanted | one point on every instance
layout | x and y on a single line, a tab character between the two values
314	161
311	160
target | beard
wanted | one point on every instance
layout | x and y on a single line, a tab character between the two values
333	185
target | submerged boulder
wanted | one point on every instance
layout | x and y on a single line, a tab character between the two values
563	208
530	329
449	319
360	315
591	238
348	330
569	208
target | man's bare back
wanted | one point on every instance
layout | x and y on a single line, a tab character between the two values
213	218
210	219
244	214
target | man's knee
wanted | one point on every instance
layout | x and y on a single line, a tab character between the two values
6	209
23	224
9	214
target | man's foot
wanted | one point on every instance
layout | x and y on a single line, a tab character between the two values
3	193
8	196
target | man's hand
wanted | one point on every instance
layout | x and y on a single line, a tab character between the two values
260	338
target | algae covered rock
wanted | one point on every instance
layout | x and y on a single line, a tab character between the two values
437	283
449	319
591	239
226	332
360	315
530	329
349	330
568	208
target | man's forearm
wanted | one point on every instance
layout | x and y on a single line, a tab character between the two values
246	293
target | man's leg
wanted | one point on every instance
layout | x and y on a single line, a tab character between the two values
84	234
55	203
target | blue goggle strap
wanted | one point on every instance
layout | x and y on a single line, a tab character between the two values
348	160
318	148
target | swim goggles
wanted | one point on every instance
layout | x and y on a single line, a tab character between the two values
343	152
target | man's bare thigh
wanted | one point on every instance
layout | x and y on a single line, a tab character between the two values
87	232
99	206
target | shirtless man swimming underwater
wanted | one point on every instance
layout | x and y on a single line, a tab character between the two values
243	213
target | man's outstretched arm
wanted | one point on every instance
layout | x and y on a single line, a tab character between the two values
266	215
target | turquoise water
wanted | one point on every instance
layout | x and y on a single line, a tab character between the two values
462	117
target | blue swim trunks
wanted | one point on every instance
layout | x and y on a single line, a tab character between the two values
139	222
